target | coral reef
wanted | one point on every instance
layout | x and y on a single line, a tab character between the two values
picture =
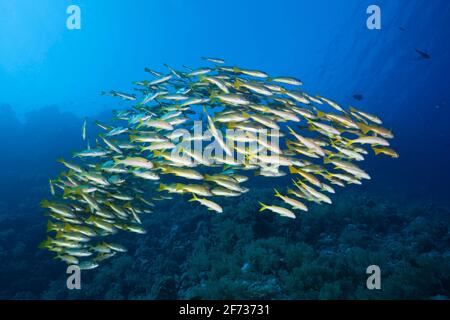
192	254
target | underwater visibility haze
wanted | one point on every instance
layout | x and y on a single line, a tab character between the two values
248	150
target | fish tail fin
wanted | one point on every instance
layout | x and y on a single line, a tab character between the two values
334	142
142	149
277	193
44	203
45	244
60	160
237	84
352	109
296	183
141	123
162	168
263	206
51	226
377	150
348	142
66	192
364	128
157	153
328	175
78	192
161	187
226	167
300	182
290	191
194	198
321	114
293	170
75	154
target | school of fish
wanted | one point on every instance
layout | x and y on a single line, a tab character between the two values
149	152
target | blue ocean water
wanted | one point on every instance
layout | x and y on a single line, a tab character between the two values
51	78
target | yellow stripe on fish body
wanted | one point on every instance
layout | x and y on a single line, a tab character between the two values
280	210
366	115
295	204
194	188
309	177
387	151
207	203
385	133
